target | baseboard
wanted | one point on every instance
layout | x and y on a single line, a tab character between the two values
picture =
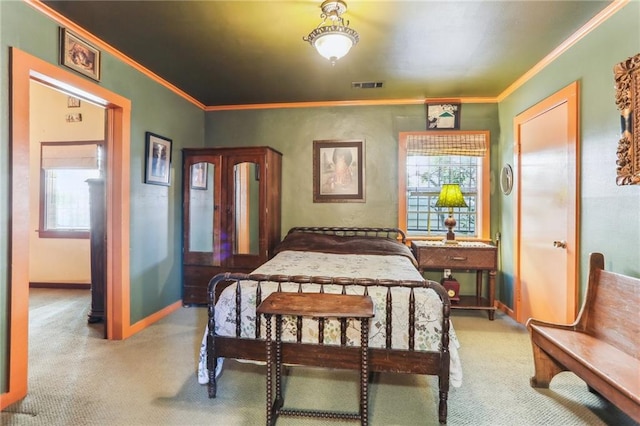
505	309
61	285
157	316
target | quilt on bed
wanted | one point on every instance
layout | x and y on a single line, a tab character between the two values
428	306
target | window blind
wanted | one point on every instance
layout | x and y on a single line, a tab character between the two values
69	156
470	145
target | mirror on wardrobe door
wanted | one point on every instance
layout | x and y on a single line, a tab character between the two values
201	208
247	204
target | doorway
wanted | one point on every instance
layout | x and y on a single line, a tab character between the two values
547	152
24	69
63	170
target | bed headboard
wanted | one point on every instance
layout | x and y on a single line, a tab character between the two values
390	233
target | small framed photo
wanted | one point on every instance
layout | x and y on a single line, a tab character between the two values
79	55
443	116
158	159
338	171
73	102
73	118
199	174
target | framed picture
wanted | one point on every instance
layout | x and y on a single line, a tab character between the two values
79	55
627	83
443	116
338	171
74	118
157	159
199	172
73	102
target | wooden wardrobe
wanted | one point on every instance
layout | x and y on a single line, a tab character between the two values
231	213
98	244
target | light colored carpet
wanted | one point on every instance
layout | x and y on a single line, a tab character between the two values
77	378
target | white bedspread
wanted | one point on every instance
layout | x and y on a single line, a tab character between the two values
428	306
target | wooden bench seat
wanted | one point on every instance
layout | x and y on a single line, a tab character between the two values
320	306
610	365
602	346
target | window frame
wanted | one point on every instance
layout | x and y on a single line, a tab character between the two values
57	233
483	221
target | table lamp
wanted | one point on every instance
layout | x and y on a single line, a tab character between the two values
450	196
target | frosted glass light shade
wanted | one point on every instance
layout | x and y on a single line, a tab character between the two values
335	39
333	45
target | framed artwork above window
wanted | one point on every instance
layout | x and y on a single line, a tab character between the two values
443	116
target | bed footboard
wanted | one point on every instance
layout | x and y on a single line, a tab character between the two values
343	354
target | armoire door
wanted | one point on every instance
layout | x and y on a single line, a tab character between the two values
245	210
203	245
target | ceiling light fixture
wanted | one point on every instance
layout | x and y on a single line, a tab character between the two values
332	38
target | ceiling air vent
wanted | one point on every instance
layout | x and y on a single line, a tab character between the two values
366	85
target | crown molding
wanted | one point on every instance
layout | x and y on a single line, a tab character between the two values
605	14
595	22
105	47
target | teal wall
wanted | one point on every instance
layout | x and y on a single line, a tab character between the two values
292	132
613	231
155	246
609	214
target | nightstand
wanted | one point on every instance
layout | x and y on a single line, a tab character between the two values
464	256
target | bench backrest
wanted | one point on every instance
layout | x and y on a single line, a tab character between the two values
611	311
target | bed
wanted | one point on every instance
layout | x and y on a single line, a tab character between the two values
410	332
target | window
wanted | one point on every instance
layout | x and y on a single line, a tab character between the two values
427	160
64	192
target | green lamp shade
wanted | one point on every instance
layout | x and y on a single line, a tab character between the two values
451	196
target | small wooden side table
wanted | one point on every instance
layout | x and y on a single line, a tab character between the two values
464	256
318	305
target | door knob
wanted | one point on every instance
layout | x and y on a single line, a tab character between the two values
560	244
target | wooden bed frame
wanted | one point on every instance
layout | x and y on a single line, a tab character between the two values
335	356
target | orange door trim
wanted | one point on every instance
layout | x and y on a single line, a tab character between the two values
25	68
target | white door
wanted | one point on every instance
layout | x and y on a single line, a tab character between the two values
547	186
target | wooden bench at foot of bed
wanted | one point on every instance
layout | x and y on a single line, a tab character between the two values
342	356
602	346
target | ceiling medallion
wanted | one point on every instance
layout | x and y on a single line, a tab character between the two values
332	38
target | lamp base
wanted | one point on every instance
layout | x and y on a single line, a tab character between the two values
450	222
450	242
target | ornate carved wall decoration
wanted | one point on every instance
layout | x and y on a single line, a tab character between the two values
627	79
